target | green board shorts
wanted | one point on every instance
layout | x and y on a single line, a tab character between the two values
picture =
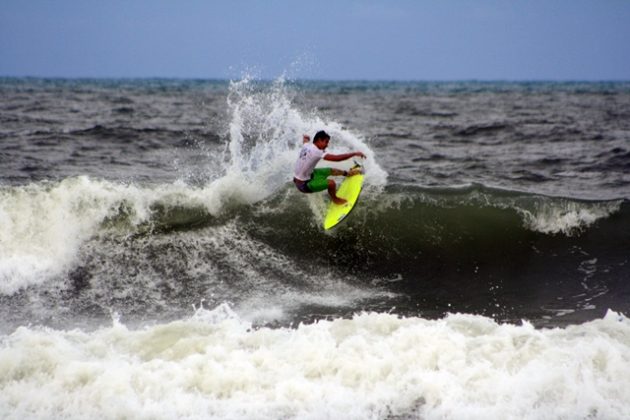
319	179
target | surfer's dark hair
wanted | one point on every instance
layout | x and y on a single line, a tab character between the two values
321	135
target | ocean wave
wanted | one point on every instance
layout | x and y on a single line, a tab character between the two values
45	225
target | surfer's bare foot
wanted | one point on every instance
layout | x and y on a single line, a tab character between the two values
338	201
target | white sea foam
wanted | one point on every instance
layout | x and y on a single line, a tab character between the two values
568	218
44	224
214	365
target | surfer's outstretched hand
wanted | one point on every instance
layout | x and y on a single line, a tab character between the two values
354	171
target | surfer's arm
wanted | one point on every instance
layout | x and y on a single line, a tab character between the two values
343	156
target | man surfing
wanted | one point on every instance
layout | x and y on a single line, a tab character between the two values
309	179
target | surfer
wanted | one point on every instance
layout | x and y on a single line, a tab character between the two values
309	179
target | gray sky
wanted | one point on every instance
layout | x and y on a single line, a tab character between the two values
318	39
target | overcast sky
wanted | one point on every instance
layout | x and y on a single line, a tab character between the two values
318	39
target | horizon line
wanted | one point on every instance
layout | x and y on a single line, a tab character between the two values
329	80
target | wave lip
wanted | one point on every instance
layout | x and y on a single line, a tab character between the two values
569	218
538	213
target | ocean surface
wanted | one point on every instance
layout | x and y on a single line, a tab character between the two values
156	261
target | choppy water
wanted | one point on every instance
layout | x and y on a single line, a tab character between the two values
157	262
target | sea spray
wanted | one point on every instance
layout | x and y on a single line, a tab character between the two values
266	131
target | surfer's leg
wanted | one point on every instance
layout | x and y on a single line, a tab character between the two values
320	182
332	191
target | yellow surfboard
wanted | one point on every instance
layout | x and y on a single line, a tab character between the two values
349	189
